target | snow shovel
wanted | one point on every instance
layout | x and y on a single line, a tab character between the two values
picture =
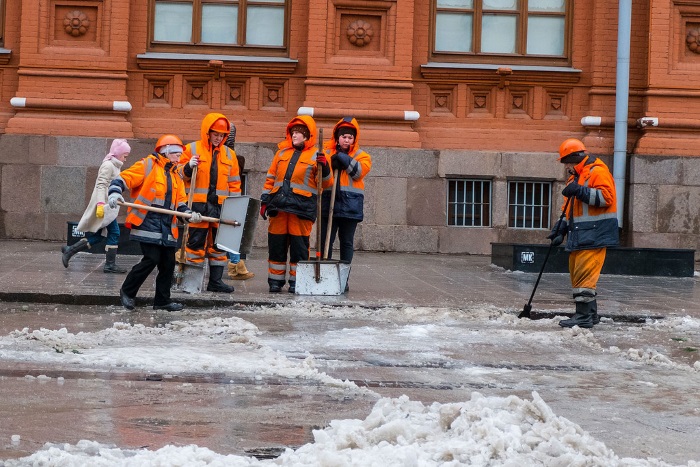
193	278
322	277
528	308
181	261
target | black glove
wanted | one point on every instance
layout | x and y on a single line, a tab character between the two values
343	160
578	191
560	229
556	241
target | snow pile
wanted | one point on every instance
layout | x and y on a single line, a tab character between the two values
652	357
484	431
676	323
227	345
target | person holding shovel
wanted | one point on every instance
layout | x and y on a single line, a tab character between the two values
218	177
98	216
236	266
290	200
351	165
590	224
153	181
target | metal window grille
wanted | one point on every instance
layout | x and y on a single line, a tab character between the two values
469	203
529	204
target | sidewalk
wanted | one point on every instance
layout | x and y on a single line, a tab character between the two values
31	271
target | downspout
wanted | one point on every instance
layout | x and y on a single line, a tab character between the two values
622	88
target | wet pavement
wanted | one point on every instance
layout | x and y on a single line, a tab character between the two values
462	342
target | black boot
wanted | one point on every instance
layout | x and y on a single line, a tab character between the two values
292	286
70	251
110	261
596	318
215	283
128	302
583	317
275	286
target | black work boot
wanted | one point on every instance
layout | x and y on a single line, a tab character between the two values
292	286
127	302
275	286
70	251
111	261
583	317
215	283
594	308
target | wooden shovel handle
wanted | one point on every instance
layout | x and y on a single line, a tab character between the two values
329	224
184	215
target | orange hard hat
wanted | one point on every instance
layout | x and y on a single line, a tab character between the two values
221	125
570	146
167	140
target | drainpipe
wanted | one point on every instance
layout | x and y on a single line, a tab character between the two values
622	88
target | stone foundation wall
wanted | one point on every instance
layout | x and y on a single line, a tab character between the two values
46	181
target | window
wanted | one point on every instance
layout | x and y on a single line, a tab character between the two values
214	24
469	203
2	22
529	204
517	29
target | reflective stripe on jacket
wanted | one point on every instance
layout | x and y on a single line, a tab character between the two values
228	179
152	181
295	192
350	190
593	224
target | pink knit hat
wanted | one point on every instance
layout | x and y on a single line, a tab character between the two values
119	147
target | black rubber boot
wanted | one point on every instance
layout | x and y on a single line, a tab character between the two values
111	262
596	318
70	251
292	286
275	286
215	283
583	317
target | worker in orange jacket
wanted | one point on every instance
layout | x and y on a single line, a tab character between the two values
218	177
290	200
153	181
590	226
353	164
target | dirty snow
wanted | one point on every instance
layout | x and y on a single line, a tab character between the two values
504	431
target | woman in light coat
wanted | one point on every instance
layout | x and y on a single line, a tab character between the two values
98	216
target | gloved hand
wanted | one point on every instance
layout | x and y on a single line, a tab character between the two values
194	161
558	232
343	160
100	210
114	199
195	217
263	211
583	193
325	168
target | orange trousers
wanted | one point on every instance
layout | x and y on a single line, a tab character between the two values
584	269
287	236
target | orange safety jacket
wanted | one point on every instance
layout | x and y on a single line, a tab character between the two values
297	193
228	179
152	181
350	191
593	223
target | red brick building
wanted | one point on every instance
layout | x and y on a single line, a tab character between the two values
462	104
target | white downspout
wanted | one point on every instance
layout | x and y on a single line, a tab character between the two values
622	88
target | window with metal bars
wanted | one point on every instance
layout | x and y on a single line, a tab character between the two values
529	204
469	203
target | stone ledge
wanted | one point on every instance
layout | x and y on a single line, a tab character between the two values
619	260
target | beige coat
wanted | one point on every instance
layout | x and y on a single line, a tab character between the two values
109	170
